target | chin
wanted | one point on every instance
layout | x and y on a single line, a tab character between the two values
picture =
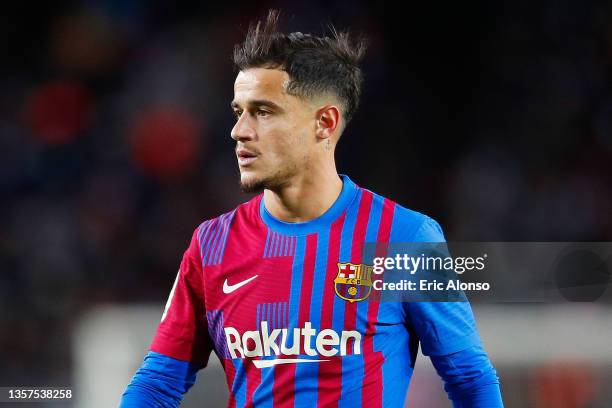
250	183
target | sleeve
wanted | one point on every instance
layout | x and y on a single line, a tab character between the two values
161	381
442	327
183	331
448	334
469	378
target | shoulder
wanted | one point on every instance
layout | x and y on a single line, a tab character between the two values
217	227
411	226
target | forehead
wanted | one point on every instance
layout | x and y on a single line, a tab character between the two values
258	83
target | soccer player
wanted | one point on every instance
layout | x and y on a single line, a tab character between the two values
272	287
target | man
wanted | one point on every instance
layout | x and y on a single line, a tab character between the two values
259	285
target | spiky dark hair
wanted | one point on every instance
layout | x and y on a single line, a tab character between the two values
315	65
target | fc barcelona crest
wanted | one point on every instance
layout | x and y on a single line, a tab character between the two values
353	282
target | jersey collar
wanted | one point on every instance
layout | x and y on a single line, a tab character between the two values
349	189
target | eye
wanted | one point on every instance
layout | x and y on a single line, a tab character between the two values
262	113
237	113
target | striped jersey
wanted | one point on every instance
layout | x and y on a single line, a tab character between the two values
287	309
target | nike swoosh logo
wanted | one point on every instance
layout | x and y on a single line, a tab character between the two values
227	288
270	363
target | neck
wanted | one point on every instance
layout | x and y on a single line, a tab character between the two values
305	197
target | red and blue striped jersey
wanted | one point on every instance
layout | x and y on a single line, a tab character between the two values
271	299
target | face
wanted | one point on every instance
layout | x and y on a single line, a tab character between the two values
274	131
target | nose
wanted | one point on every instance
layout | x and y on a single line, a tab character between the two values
243	129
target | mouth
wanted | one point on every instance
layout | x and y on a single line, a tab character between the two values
245	157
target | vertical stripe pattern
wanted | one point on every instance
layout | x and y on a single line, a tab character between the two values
373	360
285	373
239	385
278	245
275	314
354	365
330	384
212	238
305	388
215	330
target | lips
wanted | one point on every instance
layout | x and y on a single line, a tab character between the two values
245	157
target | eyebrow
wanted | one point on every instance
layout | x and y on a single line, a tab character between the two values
258	103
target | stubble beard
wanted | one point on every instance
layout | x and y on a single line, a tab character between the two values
253	186
271	182
257	184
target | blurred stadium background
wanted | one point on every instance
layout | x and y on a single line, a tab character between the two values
495	119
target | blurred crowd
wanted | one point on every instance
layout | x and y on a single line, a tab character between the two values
494	119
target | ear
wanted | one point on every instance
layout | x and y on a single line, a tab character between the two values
328	121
